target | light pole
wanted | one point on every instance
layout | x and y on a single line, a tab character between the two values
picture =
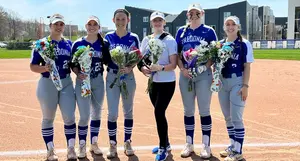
42	26
70	30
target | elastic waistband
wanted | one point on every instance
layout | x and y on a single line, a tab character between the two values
66	76
115	71
232	75
93	76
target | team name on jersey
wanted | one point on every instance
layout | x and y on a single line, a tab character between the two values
124	47
191	38
97	54
59	51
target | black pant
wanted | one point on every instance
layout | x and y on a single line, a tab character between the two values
161	96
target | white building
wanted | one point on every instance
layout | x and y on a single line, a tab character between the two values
294	20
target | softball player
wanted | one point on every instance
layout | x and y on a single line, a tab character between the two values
163	81
126	40
90	107
49	97
189	37
235	78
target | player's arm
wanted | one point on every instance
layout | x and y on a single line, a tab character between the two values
39	68
246	74
249	58
179	59
36	60
105	52
172	51
179	50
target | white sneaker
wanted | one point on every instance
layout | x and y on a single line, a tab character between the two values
71	153
234	156
51	155
187	151
82	151
226	152
128	149
205	152
95	149
112	151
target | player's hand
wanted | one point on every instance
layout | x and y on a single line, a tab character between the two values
126	70
47	68
155	67
145	70
186	73
244	93
81	76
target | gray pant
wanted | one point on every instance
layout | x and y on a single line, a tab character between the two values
113	97
49	98
231	102
90	107
201	90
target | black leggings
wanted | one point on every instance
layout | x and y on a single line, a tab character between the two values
161	96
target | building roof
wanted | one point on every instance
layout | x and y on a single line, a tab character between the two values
145	9
171	18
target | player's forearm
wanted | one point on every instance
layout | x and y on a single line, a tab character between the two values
180	64
209	63
173	63
246	74
37	68
75	70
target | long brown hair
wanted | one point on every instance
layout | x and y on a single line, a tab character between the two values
240	36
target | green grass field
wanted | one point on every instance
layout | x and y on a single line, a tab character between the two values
286	54
14	54
280	54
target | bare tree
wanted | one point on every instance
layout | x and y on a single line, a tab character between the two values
15	25
4	30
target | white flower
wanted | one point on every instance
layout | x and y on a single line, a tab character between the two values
203	49
119	49
194	53
203	43
213	43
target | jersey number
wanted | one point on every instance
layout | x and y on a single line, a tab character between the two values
66	64
97	67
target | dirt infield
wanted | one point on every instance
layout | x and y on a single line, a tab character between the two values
272	117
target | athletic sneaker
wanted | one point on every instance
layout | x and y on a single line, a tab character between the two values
226	152
155	150
95	149
71	154
234	156
128	149
51	155
112	151
187	151
205	152
161	155
81	151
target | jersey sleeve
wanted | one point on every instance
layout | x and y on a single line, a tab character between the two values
137	41
212	35
105	53
249	56
178	41
74	48
36	58
172	46
144	45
